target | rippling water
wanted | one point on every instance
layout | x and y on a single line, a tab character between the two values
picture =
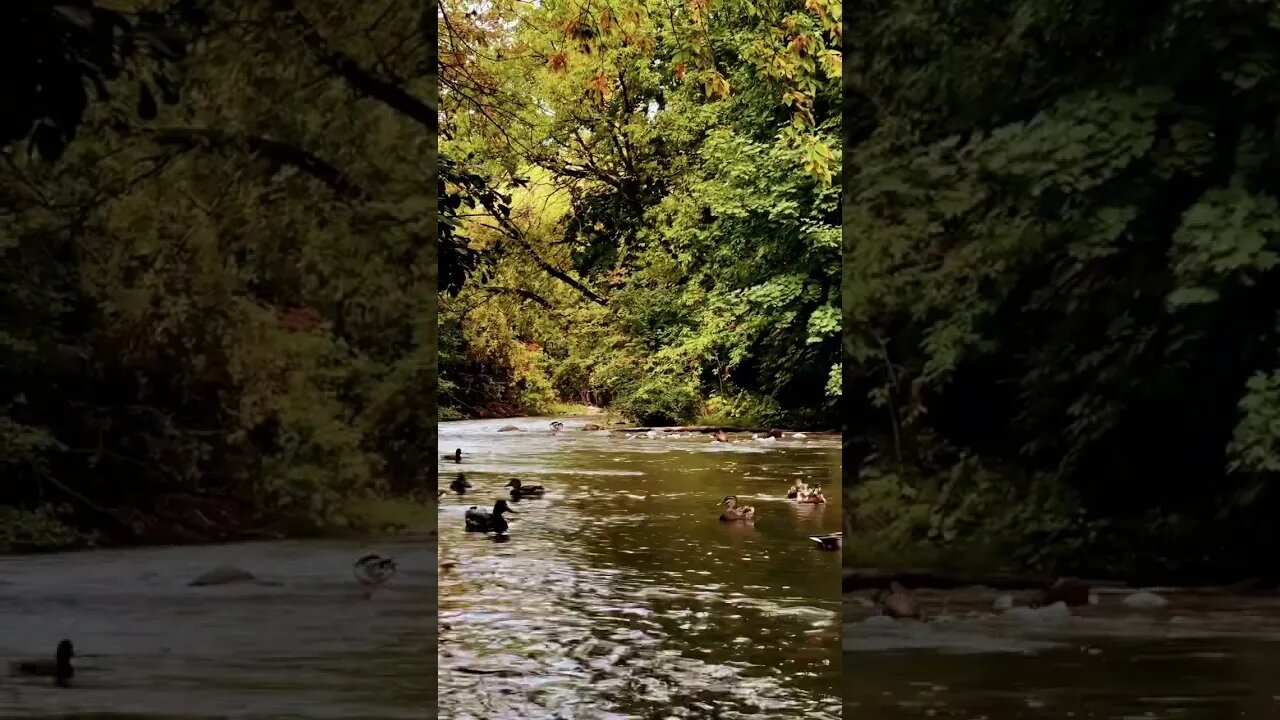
309	646
1199	658
620	595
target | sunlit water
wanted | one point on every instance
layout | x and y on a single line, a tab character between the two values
1199	658
621	595
151	646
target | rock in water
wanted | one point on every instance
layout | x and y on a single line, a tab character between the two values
224	575
591	427
1145	600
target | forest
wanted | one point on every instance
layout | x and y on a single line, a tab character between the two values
1060	293
640	210
217	268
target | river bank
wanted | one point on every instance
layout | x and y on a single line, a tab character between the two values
187	520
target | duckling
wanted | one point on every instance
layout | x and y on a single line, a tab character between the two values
522	491
897	603
733	513
374	570
831	541
478	520
460	485
455	456
59	668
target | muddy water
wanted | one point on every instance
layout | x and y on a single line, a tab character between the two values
620	594
306	646
1199	658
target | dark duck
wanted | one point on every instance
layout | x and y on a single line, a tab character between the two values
480	521
374	570
59	668
460	485
519	490
455	456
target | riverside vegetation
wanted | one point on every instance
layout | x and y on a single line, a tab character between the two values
640	211
217	272
1060	295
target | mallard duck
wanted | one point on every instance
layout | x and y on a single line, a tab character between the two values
897	602
721	436
480	521
59	668
557	426
374	570
519	491
798	488
460	485
734	513
455	456
828	542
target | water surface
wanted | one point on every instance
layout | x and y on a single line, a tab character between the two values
620	594
307	646
1199	658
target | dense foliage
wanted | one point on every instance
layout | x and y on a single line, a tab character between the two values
217	316
1060	291
662	235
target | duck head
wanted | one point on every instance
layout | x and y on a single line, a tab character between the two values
65	652
502	507
457	455
730	501
513	483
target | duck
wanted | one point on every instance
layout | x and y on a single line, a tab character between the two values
813	495
831	541
721	436
478	520
897	603
557	426
733	513
460	485
455	456
374	570
521	491
59	668
798	488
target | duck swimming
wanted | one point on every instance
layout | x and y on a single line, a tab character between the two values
721	436
813	495
374	570
460	485
455	456
798	488
522	491
59	668
480	521
897	603
733	513
831	541
557	426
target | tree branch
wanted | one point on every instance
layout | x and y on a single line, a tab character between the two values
358	78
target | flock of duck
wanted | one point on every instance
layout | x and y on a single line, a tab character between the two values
898	603
482	521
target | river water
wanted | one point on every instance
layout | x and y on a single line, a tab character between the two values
308	645
1198	658
620	594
